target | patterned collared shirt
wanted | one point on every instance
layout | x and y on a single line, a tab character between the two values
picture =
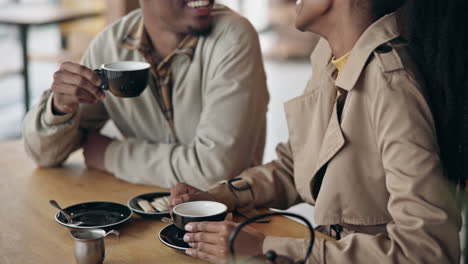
140	40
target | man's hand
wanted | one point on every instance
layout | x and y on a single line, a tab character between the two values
94	150
183	193
209	241
74	84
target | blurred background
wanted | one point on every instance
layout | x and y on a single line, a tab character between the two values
286	50
49	42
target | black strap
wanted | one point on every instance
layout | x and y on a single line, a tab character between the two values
235	188
337	229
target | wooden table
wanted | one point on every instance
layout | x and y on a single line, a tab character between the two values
26	15
29	233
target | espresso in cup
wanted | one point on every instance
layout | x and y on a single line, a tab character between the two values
198	211
124	78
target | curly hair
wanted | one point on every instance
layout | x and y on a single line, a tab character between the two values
436	32
383	7
437	36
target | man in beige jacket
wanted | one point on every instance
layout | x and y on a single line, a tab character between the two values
202	118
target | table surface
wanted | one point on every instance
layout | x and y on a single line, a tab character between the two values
40	14
29	233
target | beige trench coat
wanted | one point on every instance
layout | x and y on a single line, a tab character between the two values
384	182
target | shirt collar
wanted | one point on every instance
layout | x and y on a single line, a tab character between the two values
382	31
132	40
138	39
340	62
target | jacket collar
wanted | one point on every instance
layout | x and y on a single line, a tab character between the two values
382	31
134	40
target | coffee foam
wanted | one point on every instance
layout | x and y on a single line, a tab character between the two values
200	208
126	66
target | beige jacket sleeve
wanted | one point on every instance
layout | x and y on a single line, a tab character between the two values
271	185
49	139
425	222
231	124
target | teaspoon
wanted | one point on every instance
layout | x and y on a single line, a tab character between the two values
69	218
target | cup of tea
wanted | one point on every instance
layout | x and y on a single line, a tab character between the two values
124	78
198	211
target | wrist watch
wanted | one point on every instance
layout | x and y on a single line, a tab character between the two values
237	185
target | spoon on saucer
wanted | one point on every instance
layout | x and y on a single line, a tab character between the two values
69	217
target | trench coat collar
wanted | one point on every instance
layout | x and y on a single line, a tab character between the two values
381	32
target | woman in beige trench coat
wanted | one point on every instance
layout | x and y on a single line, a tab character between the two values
364	145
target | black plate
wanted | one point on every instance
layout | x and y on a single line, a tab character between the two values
95	215
132	203
172	236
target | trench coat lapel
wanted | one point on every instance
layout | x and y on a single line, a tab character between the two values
333	141
315	134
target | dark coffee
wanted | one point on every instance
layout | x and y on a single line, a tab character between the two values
125	78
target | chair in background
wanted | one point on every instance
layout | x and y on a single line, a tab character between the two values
24	16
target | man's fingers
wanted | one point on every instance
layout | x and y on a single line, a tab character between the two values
74	93
78	69
63	99
83	83
79	76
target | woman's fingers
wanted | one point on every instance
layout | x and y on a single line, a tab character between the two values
183	193
202	255
211	227
205	237
210	241
210	249
183	198
179	189
229	217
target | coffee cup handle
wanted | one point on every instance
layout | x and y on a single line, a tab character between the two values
104	84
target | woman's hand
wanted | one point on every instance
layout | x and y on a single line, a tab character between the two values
183	193
209	241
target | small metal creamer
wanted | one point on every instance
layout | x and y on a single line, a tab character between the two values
89	245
